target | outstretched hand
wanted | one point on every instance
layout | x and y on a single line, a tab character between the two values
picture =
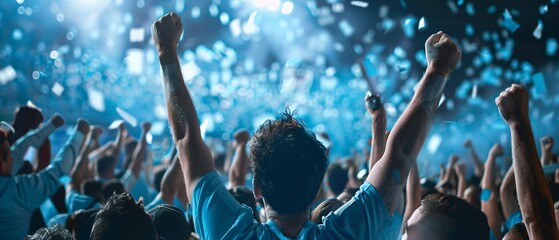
442	54
513	104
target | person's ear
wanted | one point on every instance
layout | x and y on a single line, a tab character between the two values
257	192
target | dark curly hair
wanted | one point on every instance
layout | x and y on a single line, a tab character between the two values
288	163
123	218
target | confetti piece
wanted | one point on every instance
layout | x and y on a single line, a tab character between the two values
287	8
421	24
235	28
509	23
469	29
190	70
346	28
96	99
136	35
538	31
460	2
7	74
443	98
57	89
540	89
551	47
134	61
452	6
127	117
115	124
434	143
470	9
337	7
474	91
32	105
360	4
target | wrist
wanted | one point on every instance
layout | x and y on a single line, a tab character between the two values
432	70
168	56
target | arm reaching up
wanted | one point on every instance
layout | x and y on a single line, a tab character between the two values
34	139
547	146
239	168
460	170
533	195
478	165
375	108
489	203
80	170
410	131
413	195
195	157
140	152
509	203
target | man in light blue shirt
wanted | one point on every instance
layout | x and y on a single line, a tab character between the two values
20	195
289	163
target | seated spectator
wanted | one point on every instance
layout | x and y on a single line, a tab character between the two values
123	218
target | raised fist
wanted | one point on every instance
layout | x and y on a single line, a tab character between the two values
442	54
497	150
82	126
547	143
468	143
453	159
373	103
241	136
166	33
57	120
513	104
460	169
96	131
146	126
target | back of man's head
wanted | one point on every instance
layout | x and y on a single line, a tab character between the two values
92	188
123	218
337	178
104	166
288	163
461	219
111	188
56	232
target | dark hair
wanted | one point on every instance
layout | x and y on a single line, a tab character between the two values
245	196
123	218
469	222
82	223
56	232
519	230
219	161
111	188
4	151
324	208
288	163
104	164
92	188
170	222
554	191
337	178
157	178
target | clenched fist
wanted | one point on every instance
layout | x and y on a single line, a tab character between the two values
57	120
442	54
241	136
513	104
82	126
166	33
497	150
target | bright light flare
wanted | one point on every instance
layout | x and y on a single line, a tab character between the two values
287	8
260	3
274	5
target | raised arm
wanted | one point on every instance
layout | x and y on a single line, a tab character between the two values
171	181
478	165
80	170
239	168
34	139
140	152
410	131
194	155
460	170
35	188
547	146
489	206
413	195
532	191
376	109
509	204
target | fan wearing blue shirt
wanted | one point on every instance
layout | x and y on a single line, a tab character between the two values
289	163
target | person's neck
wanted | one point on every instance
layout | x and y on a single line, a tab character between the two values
289	224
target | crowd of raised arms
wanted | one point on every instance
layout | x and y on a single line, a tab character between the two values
277	183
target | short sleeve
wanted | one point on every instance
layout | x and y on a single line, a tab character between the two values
217	215
364	217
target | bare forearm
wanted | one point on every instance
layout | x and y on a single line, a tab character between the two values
79	171
139	155
488	180
478	165
413	195
379	139
170	181
461	186
407	138
237	174
533	195
509	203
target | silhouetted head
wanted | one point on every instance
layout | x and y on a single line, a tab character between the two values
443	216
123	218
288	163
